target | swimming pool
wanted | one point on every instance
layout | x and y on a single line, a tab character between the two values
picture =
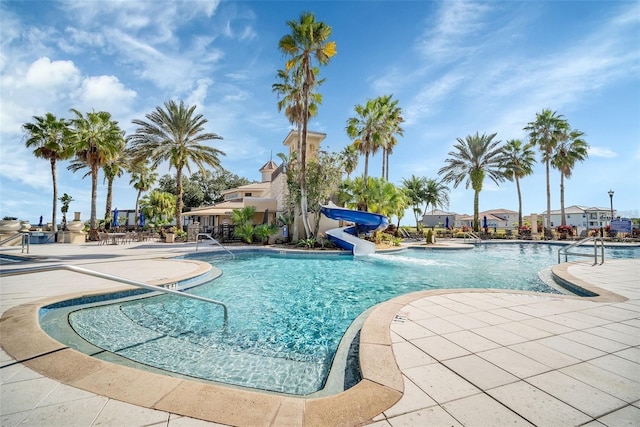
288	312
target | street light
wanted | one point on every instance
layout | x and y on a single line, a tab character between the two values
611	198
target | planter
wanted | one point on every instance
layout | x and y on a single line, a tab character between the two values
76	216
25	226
170	237
75	226
9	226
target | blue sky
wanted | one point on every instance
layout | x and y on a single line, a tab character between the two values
455	67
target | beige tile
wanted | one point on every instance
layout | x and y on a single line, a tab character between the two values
408	355
66	414
543	354
612	313
513	362
489	318
599	343
413	399
632	354
482	410
25	395
479	372
627	416
410	330
510	314
618	365
546	325
499	335
524	330
470	341
440	383
615	385
439	326
536	406
439	348
571	348
434	416
64	393
588	399
630	337
180	421
465	321
120	413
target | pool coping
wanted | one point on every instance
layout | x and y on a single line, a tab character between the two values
381	386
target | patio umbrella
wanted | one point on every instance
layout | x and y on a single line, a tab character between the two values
40	223
115	218
446	222
484	222
141	219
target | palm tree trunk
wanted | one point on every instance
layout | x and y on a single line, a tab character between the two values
94	196
137	218
179	198
548	224
54	220
107	213
476	210
303	167
519	203
366	169
384	159
563	220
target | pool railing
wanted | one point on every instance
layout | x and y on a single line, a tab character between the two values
118	279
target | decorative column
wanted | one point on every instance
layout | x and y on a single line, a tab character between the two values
534	226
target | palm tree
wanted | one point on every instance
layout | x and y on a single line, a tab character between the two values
545	132
290	88
113	169
307	43
569	151
475	158
349	159
519	163
142	179
174	134
392	118
437	195
415	189
159	206
365	131
48	136
96	140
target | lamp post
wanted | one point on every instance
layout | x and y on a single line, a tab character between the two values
611	198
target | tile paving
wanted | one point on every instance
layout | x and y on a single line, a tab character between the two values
466	358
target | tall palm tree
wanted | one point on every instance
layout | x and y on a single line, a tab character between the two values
437	195
568	151
142	179
48	136
475	158
289	88
391	120
176	135
364	129
349	159
113	169
519	163
96	140
415	189
545	132
307	44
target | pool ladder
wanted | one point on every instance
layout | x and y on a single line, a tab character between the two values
135	283
565	251
26	240
208	236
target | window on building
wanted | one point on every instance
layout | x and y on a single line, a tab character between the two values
247	194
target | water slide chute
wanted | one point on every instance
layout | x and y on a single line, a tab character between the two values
346	237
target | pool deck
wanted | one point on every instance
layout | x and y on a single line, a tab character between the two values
476	357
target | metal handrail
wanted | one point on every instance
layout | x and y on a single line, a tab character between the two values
116	279
208	236
472	236
26	239
565	250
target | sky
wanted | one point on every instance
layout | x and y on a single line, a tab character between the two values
455	67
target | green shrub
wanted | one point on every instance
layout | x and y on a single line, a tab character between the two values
429	237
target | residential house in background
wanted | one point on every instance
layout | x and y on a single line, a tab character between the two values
581	217
267	197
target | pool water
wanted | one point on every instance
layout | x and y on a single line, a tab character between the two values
288	313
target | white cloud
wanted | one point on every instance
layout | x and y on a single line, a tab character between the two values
105	93
45	74
602	152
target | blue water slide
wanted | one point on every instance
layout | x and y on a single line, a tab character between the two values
346	237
